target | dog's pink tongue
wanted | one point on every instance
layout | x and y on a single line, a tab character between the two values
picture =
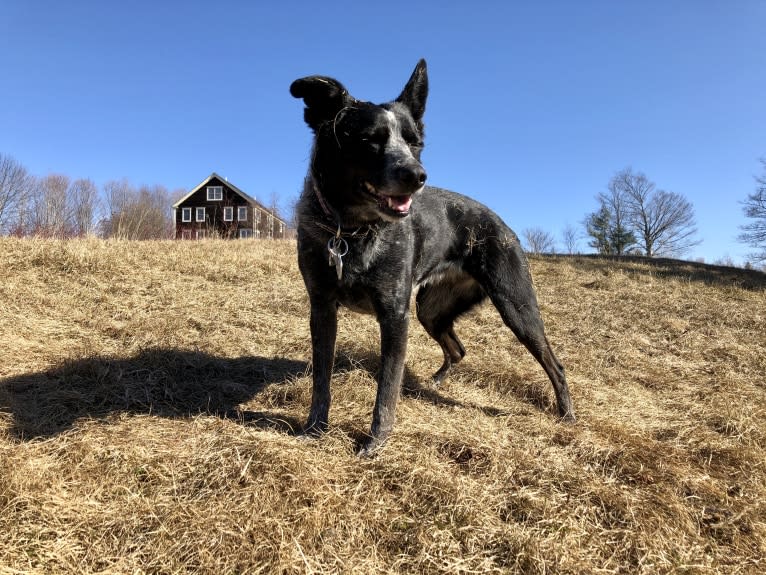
399	203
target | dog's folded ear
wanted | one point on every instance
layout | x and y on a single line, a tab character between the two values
416	91
324	98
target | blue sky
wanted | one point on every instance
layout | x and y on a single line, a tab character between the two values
533	105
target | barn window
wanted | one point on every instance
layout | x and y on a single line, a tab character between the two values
200	214
185	214
185	234
228	214
200	234
245	234
242	213
214	193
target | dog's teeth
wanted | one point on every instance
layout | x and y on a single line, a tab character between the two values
370	188
399	203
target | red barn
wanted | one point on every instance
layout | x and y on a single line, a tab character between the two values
219	209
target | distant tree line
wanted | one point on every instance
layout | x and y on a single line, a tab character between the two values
58	207
635	217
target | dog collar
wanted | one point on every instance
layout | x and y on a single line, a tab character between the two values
337	231
322	202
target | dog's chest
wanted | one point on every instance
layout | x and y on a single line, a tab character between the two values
375	274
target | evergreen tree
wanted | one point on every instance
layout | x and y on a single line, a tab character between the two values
597	227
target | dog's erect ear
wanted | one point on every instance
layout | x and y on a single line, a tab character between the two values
324	98
416	91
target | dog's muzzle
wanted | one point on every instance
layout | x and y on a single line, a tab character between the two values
397	205
397	201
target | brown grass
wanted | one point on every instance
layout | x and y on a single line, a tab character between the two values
148	393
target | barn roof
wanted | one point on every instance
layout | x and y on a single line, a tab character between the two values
225	181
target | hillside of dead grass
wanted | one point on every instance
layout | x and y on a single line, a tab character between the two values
149	395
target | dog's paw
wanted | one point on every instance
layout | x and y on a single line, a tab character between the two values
569	418
370	448
439	377
312	431
308	438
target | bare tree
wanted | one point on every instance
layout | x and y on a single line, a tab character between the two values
83	200
666	224
136	214
570	238
662	221
754	233
49	212
15	187
274	201
539	241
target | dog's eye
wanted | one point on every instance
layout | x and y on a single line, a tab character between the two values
412	139
371	145
380	138
414	142
375	141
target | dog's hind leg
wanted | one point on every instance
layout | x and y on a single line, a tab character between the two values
525	322
438	306
453	351
509	286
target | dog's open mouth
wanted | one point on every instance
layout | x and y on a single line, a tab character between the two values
398	206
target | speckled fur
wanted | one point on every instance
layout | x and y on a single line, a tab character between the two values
402	236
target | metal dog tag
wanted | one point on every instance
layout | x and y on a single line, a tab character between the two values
337	247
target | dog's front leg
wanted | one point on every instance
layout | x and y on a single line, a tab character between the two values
393	350
324	327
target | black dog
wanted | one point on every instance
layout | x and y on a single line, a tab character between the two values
366	212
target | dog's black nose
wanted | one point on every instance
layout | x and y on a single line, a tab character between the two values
414	176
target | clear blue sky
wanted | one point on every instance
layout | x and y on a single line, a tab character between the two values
533	105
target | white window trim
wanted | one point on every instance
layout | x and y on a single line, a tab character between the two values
245	233
228	213
197	213
239	213
200	234
186	214
213	191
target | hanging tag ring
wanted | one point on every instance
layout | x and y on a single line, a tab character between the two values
337	246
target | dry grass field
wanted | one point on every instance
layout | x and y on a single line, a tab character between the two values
150	394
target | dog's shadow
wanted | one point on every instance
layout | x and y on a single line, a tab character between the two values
416	387
177	384
164	382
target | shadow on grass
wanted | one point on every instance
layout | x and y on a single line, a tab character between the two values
165	382
176	384
413	386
